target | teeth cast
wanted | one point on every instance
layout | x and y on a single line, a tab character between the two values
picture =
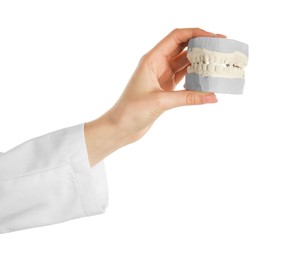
211	63
216	70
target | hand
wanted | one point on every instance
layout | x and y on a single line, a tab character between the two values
149	93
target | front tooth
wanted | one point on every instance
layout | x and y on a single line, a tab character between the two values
207	58
211	67
219	69
204	67
212	59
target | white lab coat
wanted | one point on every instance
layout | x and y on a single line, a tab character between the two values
49	180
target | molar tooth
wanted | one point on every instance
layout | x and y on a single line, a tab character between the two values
219	60
236	60
244	61
240	73
230	70
228	60
239	60
234	71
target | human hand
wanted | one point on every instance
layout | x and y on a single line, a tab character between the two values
150	92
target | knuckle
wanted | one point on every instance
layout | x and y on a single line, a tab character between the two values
145	59
159	101
196	29
192	99
175	31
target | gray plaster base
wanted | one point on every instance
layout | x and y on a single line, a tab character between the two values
197	82
219	45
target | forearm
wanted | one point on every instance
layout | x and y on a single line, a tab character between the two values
47	180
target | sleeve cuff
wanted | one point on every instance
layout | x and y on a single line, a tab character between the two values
90	182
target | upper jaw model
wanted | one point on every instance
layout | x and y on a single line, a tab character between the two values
217	65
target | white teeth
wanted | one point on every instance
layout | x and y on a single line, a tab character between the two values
206	59
212	59
237	60
216	64
190	57
221	60
211	67
244	62
219	69
229	61
190	69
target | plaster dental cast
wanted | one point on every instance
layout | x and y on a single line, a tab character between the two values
60	176
217	65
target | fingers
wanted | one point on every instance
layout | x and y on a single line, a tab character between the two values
221	35
177	40
185	97
179	62
179	75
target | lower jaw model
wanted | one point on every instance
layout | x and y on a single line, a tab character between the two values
217	65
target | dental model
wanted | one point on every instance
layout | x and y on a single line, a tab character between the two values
217	65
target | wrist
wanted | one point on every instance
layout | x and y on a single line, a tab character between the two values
102	137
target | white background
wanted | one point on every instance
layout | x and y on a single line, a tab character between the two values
204	183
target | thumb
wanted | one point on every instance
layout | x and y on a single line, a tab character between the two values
186	98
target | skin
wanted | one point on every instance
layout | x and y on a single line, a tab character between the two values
149	93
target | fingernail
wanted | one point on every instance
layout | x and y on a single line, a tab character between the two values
220	35
209	98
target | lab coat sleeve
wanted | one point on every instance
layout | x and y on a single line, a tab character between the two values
48	180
